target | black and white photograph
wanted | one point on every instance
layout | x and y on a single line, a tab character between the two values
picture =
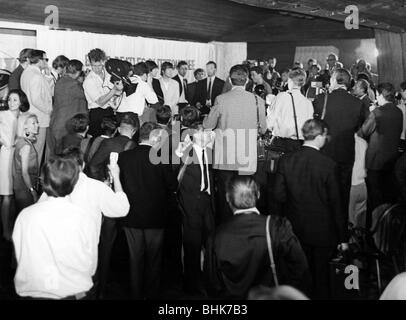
196	155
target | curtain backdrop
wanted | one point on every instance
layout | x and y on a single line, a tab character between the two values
303	54
229	54
391	58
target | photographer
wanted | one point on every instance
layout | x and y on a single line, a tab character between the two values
100	93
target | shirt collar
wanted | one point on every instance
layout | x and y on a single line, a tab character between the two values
362	97
310	146
247	211
145	144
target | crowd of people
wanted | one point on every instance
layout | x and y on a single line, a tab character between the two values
223	187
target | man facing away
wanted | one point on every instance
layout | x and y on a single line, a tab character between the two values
149	187
307	184
14	80
236	116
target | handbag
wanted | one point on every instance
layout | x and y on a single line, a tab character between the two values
270	252
277	146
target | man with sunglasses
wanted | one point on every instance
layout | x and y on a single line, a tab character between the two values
38	89
100	93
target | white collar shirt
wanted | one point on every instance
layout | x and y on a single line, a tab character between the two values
55	243
247	211
136	102
96	87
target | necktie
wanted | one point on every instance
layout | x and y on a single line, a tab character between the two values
205	179
185	87
209	90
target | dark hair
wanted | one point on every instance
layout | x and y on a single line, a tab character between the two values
36	56
238	75
189	115
198	70
243	191
343	76
79	122
166	65
74	66
151	65
387	90
363	75
258	70
73	153
364	85
59	177
146	129
213	63
131	119
25	55
96	55
181	63
24	104
163	114
286	70
403	85
108	126
140	68
313	128
60	62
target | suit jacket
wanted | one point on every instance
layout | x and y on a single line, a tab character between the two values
14	80
149	188
156	86
383	127
69	100
177	79
191	92
98	163
201	91
241	261
344	116
235	113
366	103
400	173
39	94
307	183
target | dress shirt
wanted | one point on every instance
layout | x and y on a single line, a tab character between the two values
39	94
97	199
95	87
280	119
170	90
136	102
55	243
199	153
182	97
247	211
358	171
210	81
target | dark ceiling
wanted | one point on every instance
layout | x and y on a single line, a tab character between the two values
210	20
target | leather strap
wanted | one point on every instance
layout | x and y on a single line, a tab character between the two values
294	115
324	106
270	252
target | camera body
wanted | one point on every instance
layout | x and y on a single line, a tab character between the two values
120	71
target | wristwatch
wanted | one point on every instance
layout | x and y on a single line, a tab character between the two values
31	189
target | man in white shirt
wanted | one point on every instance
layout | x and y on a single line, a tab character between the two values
180	78
100	93
55	241
137	102
39	93
170	87
289	112
98	200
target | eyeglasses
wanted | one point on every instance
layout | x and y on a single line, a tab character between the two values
45	59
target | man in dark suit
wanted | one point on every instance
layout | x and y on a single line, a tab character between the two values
180	78
383	128
361	88
208	89
14	80
307	184
344	115
149	187
191	87
196	189
98	170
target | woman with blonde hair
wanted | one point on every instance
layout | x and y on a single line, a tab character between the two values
25	163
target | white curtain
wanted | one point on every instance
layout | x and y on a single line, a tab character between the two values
76	45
